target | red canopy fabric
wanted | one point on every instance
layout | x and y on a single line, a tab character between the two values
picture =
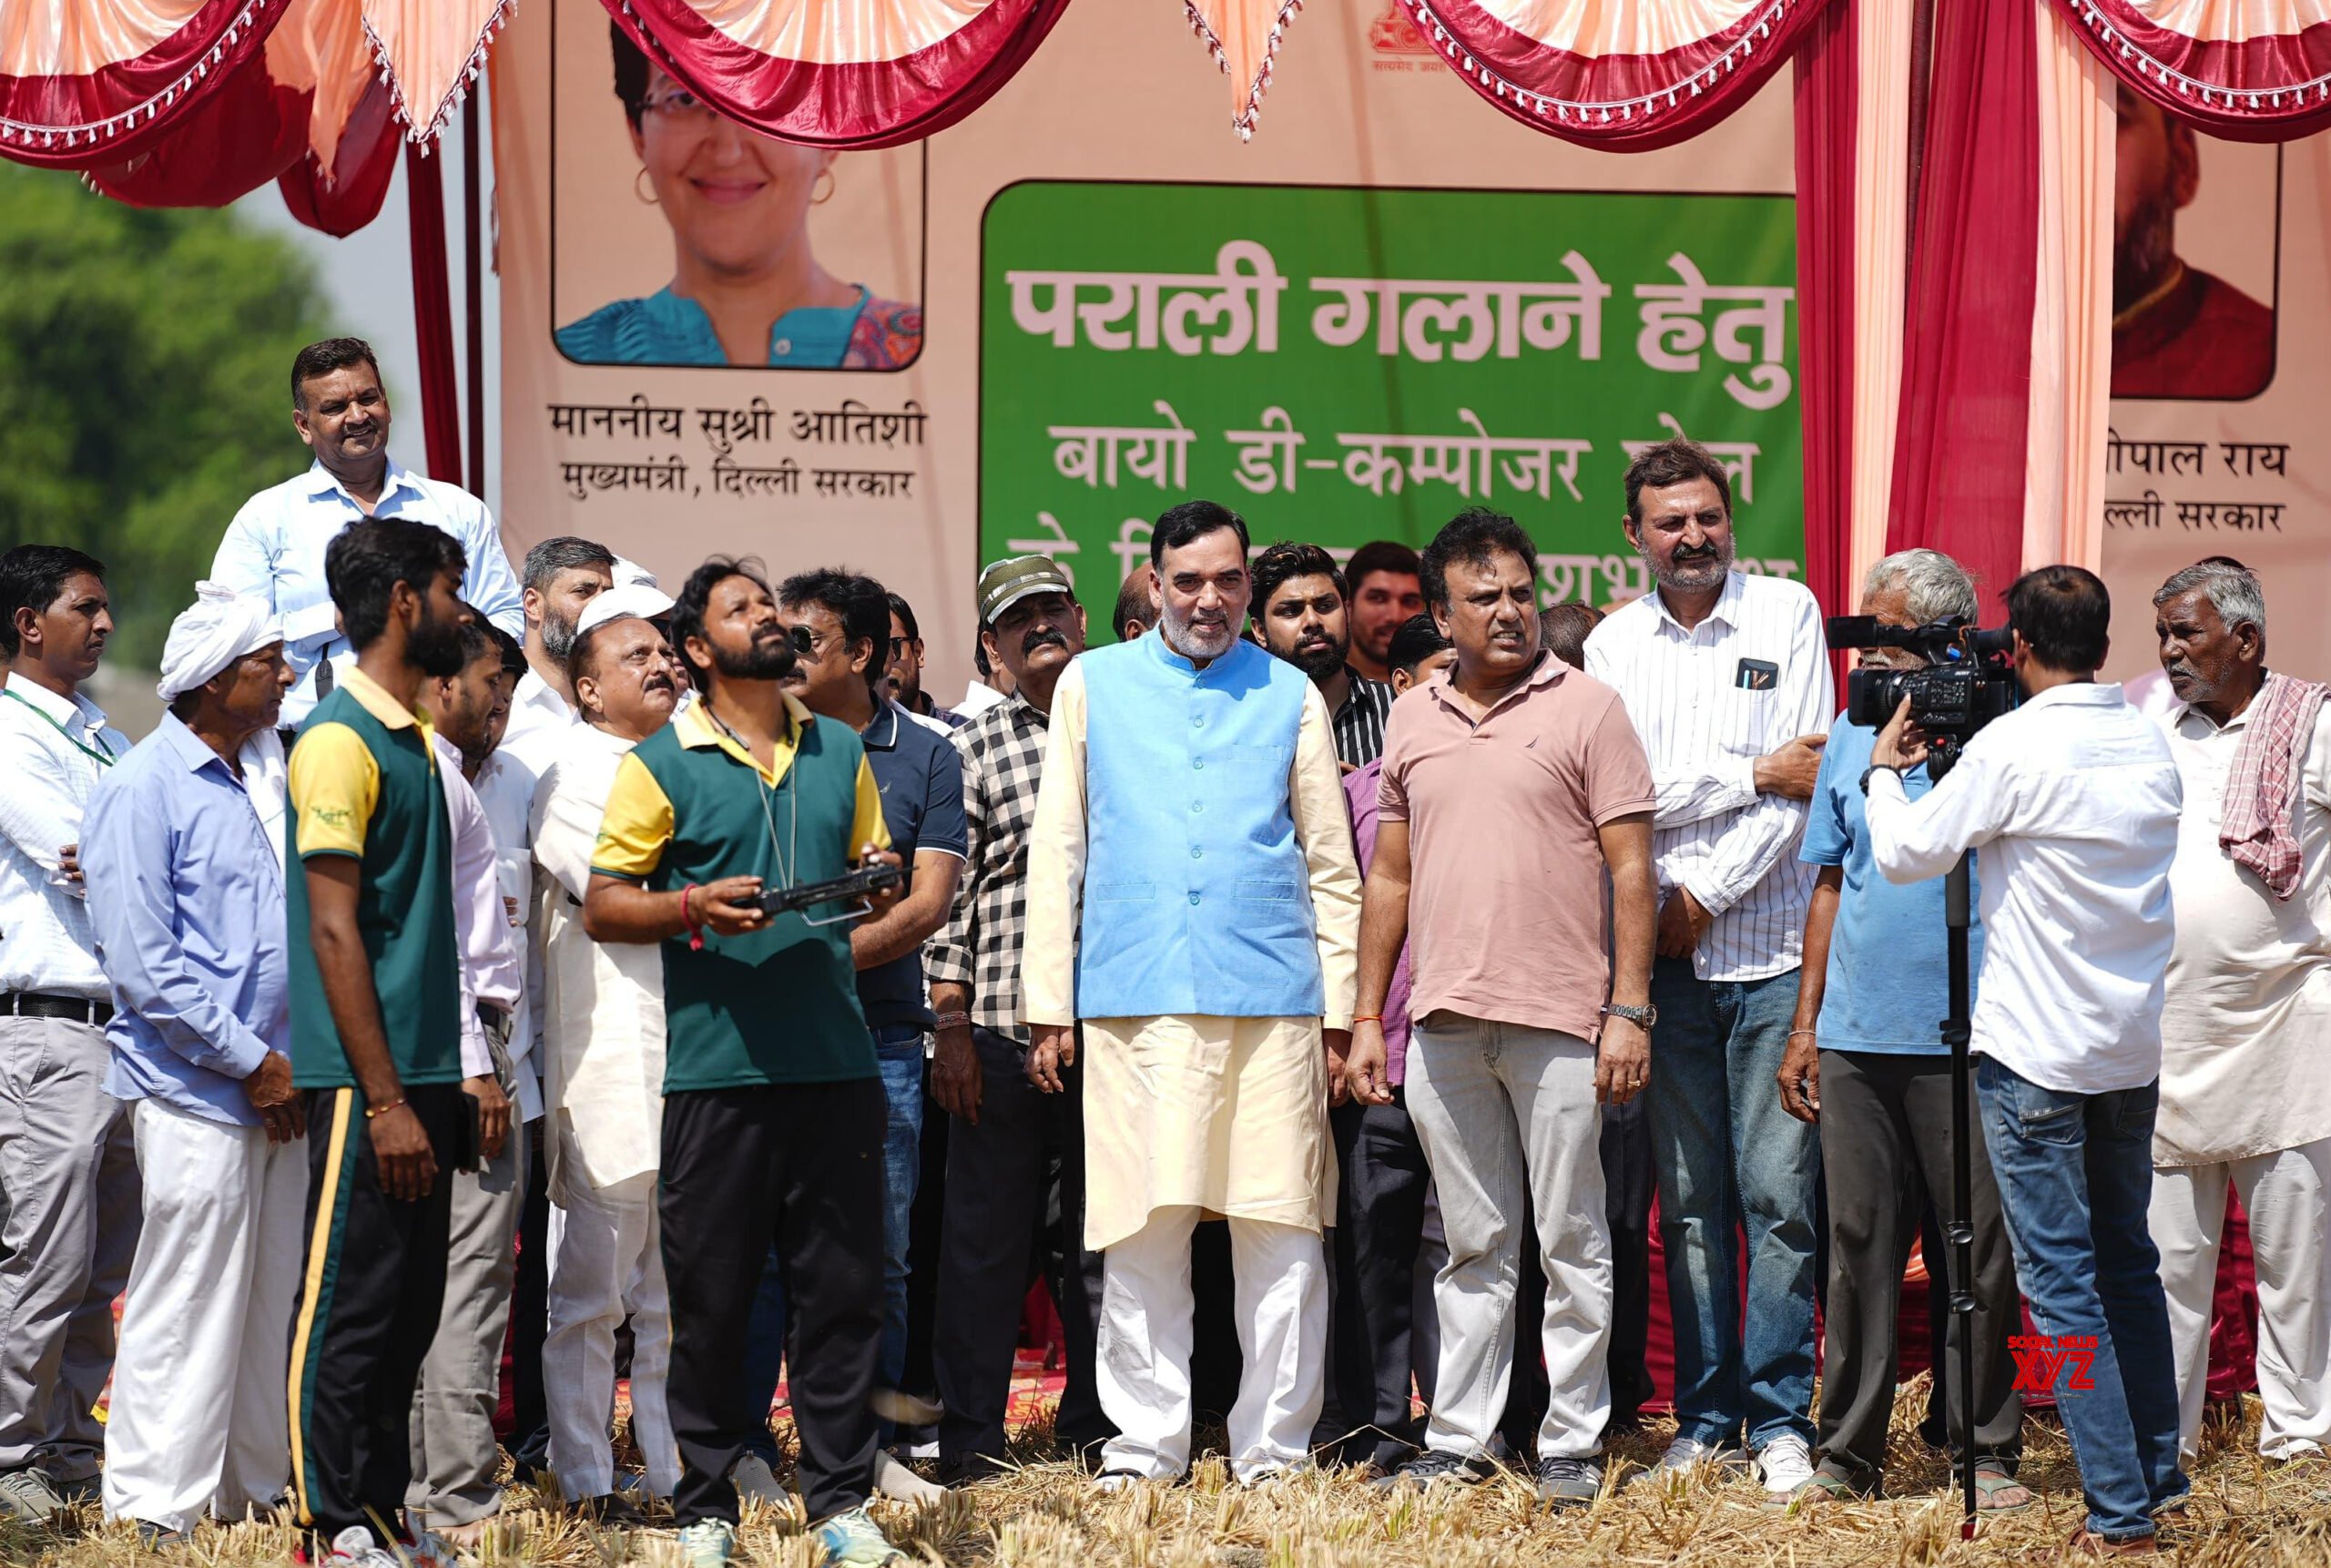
1623	78
841	75
2271	83
107	81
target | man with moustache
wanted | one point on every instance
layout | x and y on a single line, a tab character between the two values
2244	1100
1726	678
1384	596
1193	902
602	1009
1301	616
376	984
69	1170
1515	1046
274	548
1013	1153
454	1454
2177	331
773	1103
183	852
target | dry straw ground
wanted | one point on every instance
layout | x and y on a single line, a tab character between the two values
2246	1514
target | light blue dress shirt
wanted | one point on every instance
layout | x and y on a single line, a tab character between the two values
274	550
186	893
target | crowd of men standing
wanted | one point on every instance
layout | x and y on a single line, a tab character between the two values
425	980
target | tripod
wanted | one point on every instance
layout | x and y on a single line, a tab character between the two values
1957	1029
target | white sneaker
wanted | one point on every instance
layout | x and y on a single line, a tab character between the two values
355	1548
756	1483
1690	1454
1785	1464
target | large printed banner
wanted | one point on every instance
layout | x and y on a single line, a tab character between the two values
1347	365
2221	373
1044	325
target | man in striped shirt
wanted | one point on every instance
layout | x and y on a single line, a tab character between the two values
1726	678
1301	616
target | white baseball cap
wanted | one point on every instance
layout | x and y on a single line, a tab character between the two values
645	600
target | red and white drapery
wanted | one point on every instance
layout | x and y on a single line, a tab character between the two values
840	72
194	102
2259	70
1623	78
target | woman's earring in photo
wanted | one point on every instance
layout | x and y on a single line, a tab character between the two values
818	198
647	197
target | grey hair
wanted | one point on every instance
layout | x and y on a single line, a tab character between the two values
547	560
1939	588
2234	591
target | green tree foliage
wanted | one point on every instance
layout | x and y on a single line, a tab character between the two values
143	392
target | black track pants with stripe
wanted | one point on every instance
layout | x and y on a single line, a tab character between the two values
371	1288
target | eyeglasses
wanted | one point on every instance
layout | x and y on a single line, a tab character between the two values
899	646
680	108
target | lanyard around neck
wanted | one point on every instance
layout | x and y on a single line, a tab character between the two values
100	753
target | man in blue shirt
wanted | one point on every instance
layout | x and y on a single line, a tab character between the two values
1866	1061
274	549
182	851
840	623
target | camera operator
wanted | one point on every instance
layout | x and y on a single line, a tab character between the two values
773	1105
1867	1064
2075	799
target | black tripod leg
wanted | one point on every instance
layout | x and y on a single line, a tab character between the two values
1957	1030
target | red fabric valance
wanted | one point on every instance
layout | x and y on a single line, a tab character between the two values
1627	79
64	110
864	76
2274	84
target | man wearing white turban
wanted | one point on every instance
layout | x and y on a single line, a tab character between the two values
182	850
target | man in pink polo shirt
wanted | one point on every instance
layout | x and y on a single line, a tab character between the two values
1511	783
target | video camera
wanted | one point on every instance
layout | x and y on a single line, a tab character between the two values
1967	683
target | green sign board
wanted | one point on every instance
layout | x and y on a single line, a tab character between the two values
1348	364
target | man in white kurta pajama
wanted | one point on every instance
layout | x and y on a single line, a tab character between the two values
1193	900
2245	1099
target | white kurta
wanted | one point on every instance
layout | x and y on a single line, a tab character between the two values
2246	1020
1228	1114
603	1003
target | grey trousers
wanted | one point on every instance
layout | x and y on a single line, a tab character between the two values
68	1231
1886	1137
454	1455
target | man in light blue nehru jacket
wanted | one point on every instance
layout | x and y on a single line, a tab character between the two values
1193	900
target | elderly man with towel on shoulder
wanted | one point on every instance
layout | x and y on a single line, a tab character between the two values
182	850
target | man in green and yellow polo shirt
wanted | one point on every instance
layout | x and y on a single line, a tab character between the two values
773	1103
376	1038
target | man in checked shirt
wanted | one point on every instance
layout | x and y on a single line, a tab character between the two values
1726	679
1008	1141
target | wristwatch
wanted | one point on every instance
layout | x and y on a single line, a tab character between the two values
1876	767
1643	1017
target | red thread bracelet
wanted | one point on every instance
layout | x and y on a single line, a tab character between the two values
696	927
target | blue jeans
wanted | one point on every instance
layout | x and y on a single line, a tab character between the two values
1727	1157
2075	1174
899	1050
